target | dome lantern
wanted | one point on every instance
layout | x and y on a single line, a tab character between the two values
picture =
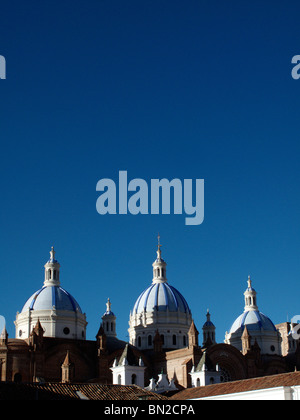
250	297
52	270
159	266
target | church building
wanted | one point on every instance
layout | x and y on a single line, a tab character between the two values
164	352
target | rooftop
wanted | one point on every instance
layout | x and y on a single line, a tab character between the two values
265	382
60	391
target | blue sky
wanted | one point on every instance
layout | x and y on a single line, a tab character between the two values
163	89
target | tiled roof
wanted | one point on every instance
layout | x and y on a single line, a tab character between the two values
284	379
59	391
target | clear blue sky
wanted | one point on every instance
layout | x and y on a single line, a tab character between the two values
160	88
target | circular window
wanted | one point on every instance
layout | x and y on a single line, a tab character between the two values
272	348
66	330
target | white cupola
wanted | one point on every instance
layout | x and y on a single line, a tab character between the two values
109	321
250	297
58	312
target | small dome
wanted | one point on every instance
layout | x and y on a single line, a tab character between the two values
161	296
52	296
254	320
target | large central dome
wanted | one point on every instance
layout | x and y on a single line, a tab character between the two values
161	308
161	297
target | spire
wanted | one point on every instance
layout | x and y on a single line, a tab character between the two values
67	370
159	266
109	321
52	270
52	255
209	335
108	306
246	341
250	297
193	335
158	247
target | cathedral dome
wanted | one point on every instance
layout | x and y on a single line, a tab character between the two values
256	325
57	311
161	297
52	297
254	321
160	309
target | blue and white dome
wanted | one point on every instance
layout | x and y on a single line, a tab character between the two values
160	309
53	307
257	326
161	297
254	321
52	297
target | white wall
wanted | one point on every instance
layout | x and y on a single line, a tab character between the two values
282	393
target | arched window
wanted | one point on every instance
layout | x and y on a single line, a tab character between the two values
174	340
162	339
133	379
139	342
112	326
119	380
162	272
49	274
184	341
54	274
198	382
149	340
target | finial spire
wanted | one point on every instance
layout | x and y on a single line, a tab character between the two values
108	305
249	282
158	247
52	254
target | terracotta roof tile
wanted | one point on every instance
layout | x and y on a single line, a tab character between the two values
285	379
59	391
